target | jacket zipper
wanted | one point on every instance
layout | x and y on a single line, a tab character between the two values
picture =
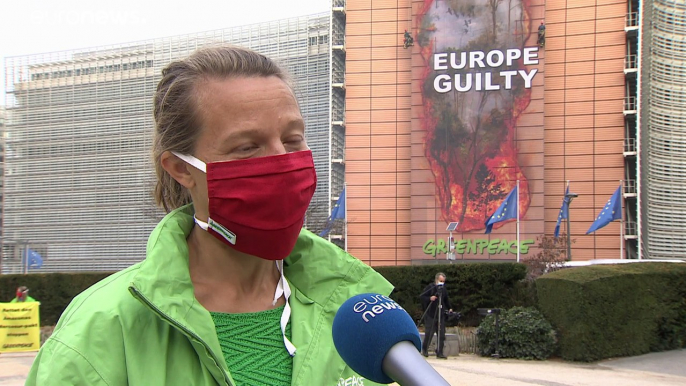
180	327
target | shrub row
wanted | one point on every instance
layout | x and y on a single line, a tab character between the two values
598	312
605	311
470	286
53	290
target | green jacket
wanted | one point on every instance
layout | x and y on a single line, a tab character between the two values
143	325
28	299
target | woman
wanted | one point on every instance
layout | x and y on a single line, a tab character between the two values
214	302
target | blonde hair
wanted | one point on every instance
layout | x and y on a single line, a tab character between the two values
175	107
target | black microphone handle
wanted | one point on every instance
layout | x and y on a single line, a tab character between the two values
405	365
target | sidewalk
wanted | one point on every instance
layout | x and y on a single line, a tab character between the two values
14	367
665	368
645	370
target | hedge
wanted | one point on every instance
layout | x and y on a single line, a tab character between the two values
53	290
470	286
606	311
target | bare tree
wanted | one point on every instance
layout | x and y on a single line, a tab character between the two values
551	256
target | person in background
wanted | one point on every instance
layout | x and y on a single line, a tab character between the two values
408	40
433	296
232	291
22	295
541	35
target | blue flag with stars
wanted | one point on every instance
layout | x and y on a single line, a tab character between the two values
35	259
612	211
506	210
564	213
338	211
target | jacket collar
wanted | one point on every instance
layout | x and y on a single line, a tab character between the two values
163	282
164	278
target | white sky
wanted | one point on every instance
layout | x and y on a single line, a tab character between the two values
38	26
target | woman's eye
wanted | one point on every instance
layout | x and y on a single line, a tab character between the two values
294	141
246	148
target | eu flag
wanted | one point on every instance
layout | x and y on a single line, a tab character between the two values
506	210
564	213
612	211
35	259
338	211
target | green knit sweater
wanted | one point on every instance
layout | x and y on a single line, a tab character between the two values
253	347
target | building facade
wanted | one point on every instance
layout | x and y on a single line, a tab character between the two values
78	172
419	137
2	161
661	137
444	130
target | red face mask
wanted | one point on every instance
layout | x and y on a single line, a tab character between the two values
257	205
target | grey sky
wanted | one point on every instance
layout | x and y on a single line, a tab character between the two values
38	26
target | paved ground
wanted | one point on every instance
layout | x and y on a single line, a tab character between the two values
646	370
666	368
14	367
669	362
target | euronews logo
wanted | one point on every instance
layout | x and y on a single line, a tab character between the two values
375	305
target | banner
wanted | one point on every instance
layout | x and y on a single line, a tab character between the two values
480	64
19	327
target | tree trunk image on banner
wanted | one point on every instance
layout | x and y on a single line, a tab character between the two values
476	83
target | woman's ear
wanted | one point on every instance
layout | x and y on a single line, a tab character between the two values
178	169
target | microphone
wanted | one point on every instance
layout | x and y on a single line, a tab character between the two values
377	338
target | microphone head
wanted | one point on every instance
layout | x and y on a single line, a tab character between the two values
366	326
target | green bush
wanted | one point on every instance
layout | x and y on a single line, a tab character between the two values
53	290
523	333
470	286
606	311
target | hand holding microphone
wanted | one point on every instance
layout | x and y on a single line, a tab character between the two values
378	339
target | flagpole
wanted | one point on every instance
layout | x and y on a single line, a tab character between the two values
518	246
345	221
26	261
567	223
621	222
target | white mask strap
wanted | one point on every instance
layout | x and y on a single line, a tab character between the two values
217	227
192	161
201	223
284	289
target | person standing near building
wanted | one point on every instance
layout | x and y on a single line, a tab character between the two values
22	295
435	302
232	291
408	40
541	35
